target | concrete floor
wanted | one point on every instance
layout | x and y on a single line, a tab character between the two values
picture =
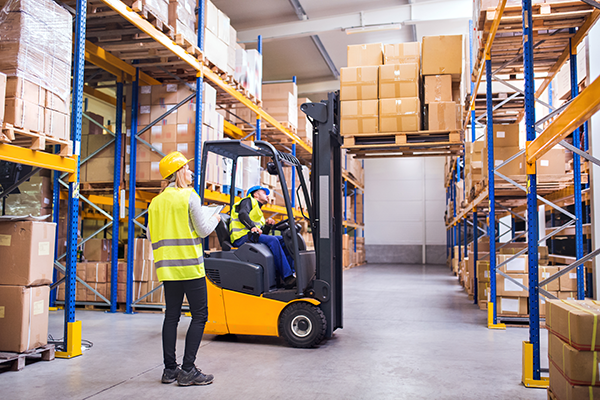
409	333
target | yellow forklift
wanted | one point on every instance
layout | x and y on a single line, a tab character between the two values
245	297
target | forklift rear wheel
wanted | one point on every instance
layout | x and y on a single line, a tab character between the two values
302	325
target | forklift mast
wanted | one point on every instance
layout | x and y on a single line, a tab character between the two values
326	187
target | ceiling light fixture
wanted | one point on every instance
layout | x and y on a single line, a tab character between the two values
373	28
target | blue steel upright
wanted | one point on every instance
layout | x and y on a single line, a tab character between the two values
73	209
116	207
199	97
532	206
475	234
293	184
132	182
473	94
258	116
491	180
577	177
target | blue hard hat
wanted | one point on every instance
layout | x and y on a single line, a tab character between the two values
255	188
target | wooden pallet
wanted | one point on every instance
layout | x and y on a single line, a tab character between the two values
141	7
191	48
215	187
420	137
17	361
33	140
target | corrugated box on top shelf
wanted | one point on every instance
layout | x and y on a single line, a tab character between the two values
361	55
399	115
506	287
255	73
27	252
359	83
183	19
561	388
437	88
216	50
24	312
512	305
402	53
399	81
160	8
441	116
360	116
573	321
442	55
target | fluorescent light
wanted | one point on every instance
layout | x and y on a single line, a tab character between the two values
373	28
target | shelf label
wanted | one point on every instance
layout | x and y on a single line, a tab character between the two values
5	240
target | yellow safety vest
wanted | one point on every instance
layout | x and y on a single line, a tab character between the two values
177	248
236	228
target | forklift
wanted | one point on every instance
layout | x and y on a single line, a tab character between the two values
245	297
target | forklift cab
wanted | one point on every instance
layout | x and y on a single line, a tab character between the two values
244	294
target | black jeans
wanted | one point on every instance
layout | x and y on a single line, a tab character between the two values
195	290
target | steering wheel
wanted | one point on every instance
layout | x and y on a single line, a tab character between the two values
281	225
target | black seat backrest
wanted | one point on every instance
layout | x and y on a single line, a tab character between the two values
223	232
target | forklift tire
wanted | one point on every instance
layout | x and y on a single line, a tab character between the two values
302	325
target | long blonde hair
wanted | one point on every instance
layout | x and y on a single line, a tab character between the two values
180	182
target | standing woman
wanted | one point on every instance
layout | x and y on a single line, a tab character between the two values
177	222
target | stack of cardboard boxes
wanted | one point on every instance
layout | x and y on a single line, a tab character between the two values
36	49
27	254
183	19
34	197
176	132
280	100
573	343
381	89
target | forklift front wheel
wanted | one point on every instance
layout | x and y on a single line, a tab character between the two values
302	325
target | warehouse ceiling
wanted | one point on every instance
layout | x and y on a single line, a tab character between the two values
308	38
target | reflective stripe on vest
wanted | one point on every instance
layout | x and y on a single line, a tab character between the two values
236	228
177	249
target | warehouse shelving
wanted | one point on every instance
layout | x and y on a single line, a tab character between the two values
122	72
557	36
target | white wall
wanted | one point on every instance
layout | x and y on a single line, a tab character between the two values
405	201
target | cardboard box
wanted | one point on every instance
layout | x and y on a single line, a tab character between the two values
158	296
442	55
27	253
512	305
562	389
442	116
24	322
552	163
506	135
437	88
142	270
163	134
358	83
483	291
142	249
56	124
25	90
399	115
567	295
483	271
158	110
360	116
506	287
101	288
97	250
399	81
97	271
54	102
24	114
516	266
99	170
402	53
362	55
577	367
547	272
515	167
573	321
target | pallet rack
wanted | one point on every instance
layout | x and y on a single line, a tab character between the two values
544	37
153	43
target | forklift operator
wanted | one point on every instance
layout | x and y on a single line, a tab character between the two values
246	217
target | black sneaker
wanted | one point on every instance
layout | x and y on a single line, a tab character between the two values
289	282
194	377
170	375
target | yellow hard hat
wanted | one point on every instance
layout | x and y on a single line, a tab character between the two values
171	163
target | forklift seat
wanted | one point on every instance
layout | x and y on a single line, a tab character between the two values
223	232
